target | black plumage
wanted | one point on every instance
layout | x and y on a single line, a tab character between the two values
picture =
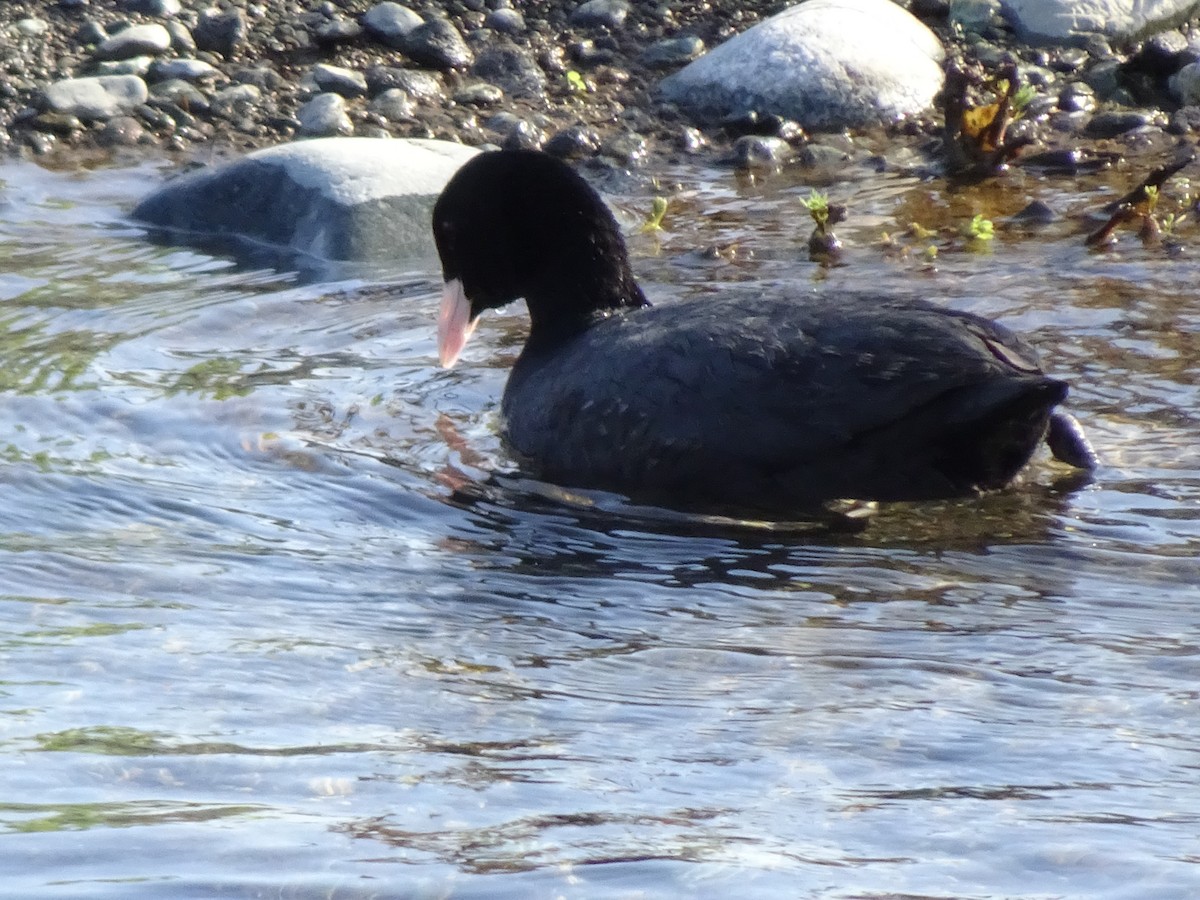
769	403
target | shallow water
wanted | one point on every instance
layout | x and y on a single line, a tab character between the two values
267	632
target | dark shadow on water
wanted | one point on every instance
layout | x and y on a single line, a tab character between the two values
250	254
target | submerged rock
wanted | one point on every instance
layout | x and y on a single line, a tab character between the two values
828	64
1075	21
334	198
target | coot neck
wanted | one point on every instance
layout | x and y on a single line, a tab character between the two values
569	299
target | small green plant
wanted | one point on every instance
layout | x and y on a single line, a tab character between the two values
981	229
1171	221
1021	100
817	205
658	209
576	83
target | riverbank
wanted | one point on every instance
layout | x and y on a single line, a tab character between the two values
189	81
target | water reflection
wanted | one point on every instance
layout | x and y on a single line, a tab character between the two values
280	618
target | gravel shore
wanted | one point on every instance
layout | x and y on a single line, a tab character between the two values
181	77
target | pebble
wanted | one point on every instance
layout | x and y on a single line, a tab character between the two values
524	135
161	8
421	86
136	40
754	151
185	69
182	95
574	142
1185	84
394	105
32	28
626	148
90	32
97	97
233	100
513	69
505	20
121	131
391	23
57	123
339	80
437	44
670	52
181	38
221	31
324	116
338	30
479	94
600	13
135	65
1111	123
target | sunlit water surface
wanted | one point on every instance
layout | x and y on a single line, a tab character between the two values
268	631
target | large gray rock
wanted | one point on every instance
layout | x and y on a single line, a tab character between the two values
1073	21
360	199
828	64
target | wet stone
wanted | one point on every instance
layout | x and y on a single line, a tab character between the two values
338	30
57	123
122	131
754	151
671	52
437	44
627	149
91	32
421	86
339	80
221	32
136	40
600	13
32	28
394	105
505	21
162	8
524	135
1185	120
513	69
479	94
1036	213
1185	84
181	95
391	23
135	65
324	115
184	69
1116	122
1077	97
181	38
234	100
575	142
822	156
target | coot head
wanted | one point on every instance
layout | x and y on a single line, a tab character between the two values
519	224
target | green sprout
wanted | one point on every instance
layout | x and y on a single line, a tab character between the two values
817	205
575	82
1151	196
981	229
653	222
1021	99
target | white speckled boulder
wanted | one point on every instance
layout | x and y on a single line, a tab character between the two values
360	199
1072	21
828	64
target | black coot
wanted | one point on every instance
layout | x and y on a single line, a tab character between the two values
766	403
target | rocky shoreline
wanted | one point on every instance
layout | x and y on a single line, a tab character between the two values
186	77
